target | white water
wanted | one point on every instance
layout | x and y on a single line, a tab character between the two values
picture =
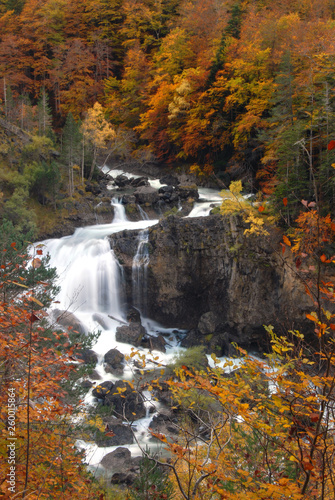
90	280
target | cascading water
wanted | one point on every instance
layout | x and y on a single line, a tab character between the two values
90	279
140	271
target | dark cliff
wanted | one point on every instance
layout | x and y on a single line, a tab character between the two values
205	274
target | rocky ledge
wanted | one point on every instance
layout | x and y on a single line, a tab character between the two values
206	276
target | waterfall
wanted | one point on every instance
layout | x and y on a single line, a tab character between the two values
89	273
119	211
139	272
144	215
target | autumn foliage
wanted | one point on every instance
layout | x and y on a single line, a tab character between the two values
38	454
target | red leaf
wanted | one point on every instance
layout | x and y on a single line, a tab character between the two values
323	258
261	208
314	417
13	244
298	263
39	252
331	145
332	226
33	318
285	202
332	326
282	248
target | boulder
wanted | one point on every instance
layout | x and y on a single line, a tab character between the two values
165	423
121	180
146	194
125	401
117	460
114	362
154	343
123	478
139	181
170	180
128	198
133	315
68	320
88	356
122	434
101	320
103	389
186	192
130	334
208	323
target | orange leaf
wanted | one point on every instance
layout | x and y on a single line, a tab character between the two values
312	318
332	326
323	258
13	244
285	202
283	247
261	208
332	226
286	241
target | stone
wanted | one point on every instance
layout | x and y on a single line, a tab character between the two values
123	478
101	390
117	459
208	264
88	356
130	334
68	320
170	180
122	434
101	320
154	343
125	401
208	323
146	194
139	181
133	315
186	192
114	361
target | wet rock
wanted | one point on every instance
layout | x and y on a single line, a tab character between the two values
165	423
208	323
114	362
154	343
170	180
130	334
86	384
95	375
139	181
101	320
146	194
128	199
68	320
133	315
123	478
117	460
185	192
125	401
88	356
122	434
121	180
103	389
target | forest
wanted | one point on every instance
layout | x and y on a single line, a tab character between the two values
239	93
241	89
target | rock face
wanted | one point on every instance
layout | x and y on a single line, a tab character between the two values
206	275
